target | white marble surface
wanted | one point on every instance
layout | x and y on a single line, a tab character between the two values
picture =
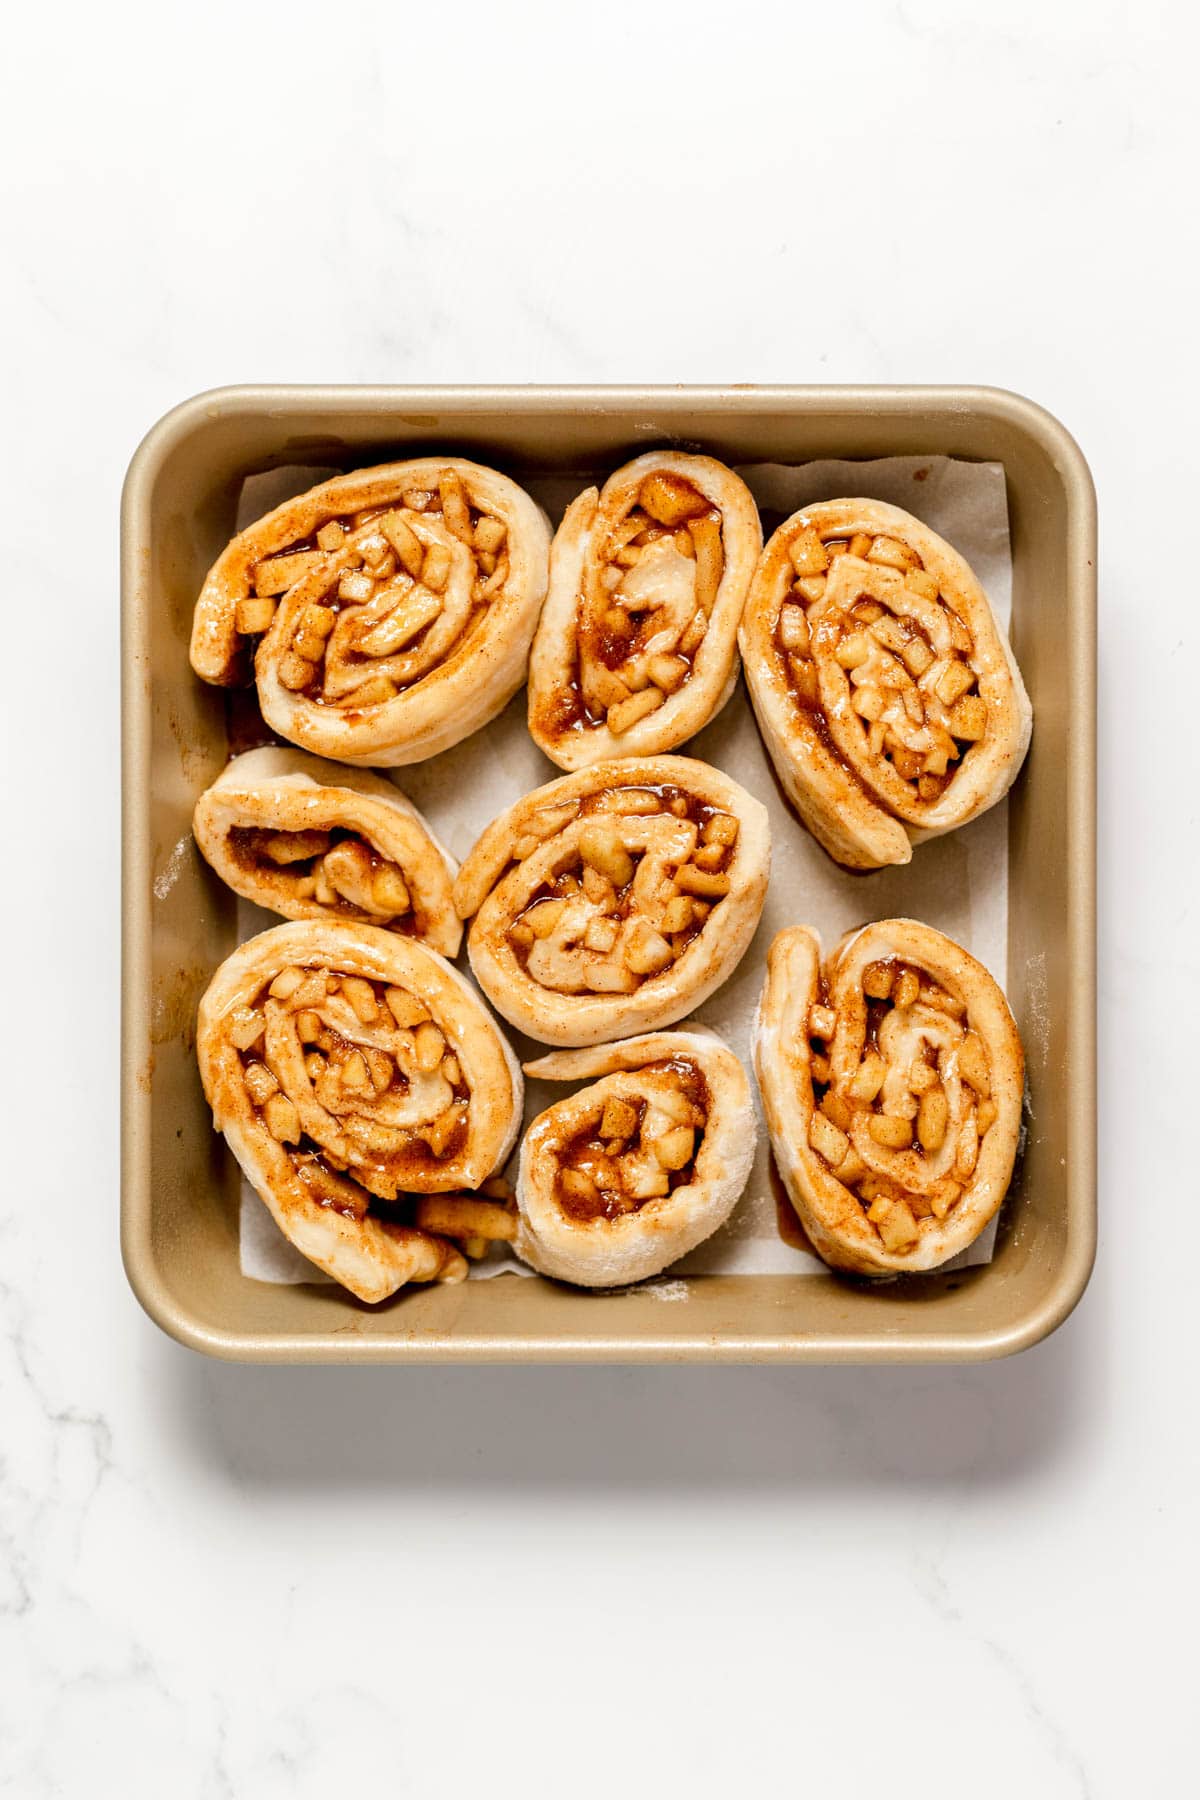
218	1581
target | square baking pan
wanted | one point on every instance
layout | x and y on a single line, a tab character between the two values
180	1186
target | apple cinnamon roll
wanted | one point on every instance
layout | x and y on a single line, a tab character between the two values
885	691
636	649
892	1080
626	1176
348	1069
613	901
315	840
391	609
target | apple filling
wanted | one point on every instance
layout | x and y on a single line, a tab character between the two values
638	1146
879	660
899	1121
648	592
375	601
356	1080
338	869
624	881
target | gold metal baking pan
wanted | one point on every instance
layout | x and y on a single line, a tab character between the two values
179	1188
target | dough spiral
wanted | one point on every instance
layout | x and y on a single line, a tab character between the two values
613	901
892	1080
637	645
627	1175
885	691
349	1068
392	609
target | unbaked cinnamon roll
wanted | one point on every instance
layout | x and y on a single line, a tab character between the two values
884	689
349	1068
315	840
614	901
628	1175
392	609
892	1080
637	645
